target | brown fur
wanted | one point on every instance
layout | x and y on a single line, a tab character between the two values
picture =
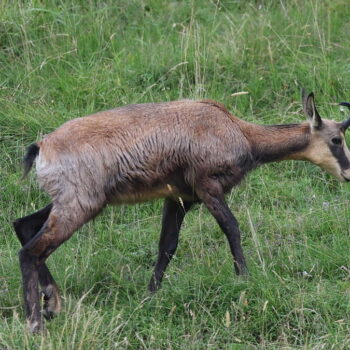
132	153
185	151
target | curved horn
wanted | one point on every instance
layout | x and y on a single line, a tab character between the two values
345	124
346	104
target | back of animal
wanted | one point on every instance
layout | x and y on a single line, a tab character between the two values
136	149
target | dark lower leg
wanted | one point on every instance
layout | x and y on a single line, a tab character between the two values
213	198
234	239
173	215
229	226
50	291
59	226
32	257
30	291
26	228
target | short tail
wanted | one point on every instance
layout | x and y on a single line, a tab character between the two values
29	157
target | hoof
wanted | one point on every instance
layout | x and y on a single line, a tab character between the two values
154	286
35	327
242	270
48	314
51	302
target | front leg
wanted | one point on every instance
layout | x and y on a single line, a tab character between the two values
211	194
173	215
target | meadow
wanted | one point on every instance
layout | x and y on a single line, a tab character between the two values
64	59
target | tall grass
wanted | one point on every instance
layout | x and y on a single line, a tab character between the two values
63	59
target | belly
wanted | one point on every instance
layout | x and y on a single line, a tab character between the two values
166	191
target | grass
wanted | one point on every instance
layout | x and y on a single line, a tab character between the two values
63	59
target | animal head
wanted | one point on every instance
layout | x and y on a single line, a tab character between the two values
327	147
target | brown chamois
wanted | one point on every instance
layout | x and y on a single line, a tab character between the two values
184	151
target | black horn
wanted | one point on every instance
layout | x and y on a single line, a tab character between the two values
346	123
346	104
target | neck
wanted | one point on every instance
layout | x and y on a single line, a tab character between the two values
273	143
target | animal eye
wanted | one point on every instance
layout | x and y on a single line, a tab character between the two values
337	141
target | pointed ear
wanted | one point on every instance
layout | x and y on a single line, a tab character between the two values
310	110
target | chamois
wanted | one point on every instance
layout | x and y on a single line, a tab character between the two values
184	151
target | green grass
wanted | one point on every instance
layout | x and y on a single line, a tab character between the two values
63	59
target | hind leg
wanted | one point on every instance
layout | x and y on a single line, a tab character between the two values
26	228
59	226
